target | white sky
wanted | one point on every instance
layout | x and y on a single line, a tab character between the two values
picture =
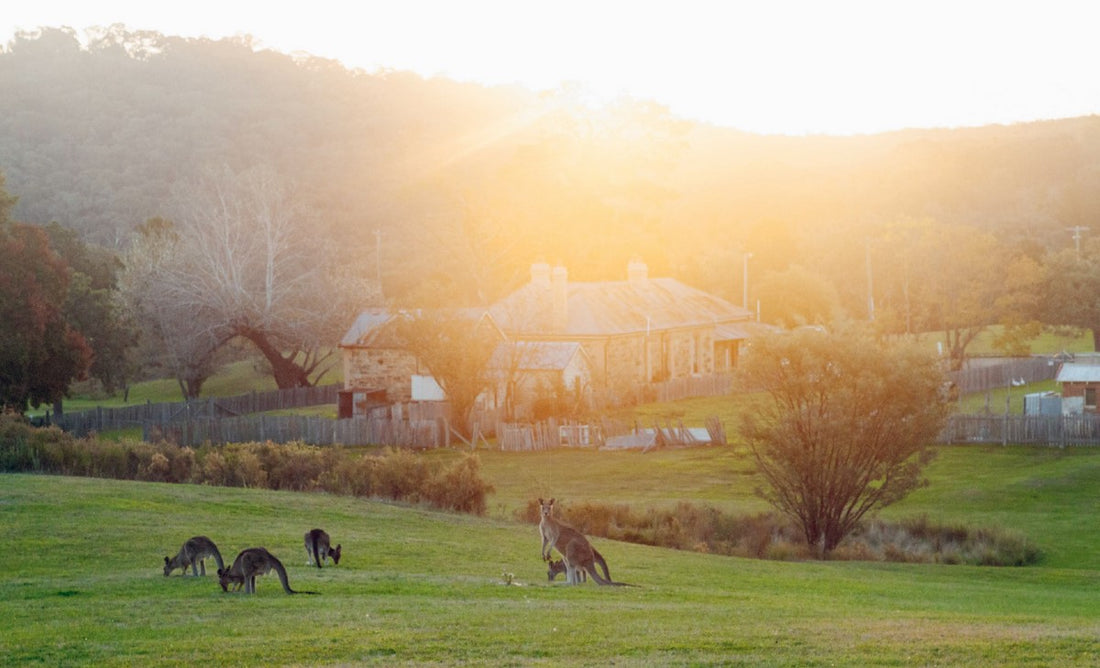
771	66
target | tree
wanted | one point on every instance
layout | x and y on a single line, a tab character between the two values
182	340
797	296
456	347
1070	290
244	261
932	277
94	307
847	428
40	353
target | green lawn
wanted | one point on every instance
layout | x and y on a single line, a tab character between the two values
81	582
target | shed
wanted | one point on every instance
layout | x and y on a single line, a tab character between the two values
1080	380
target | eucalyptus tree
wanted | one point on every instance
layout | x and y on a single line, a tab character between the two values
244	259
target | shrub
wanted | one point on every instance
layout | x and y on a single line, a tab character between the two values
215	469
459	488
399	475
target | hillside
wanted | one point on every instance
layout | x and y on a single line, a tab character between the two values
454	189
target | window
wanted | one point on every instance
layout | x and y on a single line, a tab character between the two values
1090	397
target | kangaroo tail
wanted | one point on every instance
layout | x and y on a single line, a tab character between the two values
218	558
603	564
612	583
281	570
316	552
606	580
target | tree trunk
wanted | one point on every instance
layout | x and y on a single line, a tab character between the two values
288	374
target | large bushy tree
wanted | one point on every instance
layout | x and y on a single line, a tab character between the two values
847	427
933	277
1070	290
40	352
94	306
456	347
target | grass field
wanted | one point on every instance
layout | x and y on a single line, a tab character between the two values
81	582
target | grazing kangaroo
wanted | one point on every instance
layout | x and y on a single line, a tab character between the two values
193	553
250	563
578	555
319	548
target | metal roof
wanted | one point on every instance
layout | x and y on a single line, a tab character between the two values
1079	373
536	355
610	308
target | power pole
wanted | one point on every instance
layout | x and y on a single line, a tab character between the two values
378	259
1077	230
870	285
745	284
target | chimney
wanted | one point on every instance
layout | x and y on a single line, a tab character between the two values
637	271
540	274
559	297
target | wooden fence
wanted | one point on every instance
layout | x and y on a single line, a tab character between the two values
1053	430
361	430
711	385
981	378
82	423
551	433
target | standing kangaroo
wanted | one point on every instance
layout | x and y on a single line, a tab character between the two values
319	548
193	553
578	555
250	563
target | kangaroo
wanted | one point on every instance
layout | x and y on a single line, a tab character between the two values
250	563
578	555
319	548
556	567
193	553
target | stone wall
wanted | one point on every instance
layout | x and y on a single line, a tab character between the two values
387	369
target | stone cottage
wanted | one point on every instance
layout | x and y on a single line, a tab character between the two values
635	331
611	337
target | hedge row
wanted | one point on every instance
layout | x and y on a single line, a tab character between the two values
399	475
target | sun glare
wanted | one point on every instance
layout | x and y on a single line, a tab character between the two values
790	66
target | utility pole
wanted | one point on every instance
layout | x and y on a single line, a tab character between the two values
870	285
378	259
1077	230
745	285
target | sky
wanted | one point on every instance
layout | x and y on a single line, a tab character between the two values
767	66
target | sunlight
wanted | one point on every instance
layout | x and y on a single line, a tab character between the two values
790	66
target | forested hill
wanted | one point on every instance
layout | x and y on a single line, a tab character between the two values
456	188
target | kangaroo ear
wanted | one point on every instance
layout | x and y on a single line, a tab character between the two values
551	502
540	501
167	561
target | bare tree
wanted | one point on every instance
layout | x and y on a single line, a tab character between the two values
848	427
186	339
243	260
254	259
